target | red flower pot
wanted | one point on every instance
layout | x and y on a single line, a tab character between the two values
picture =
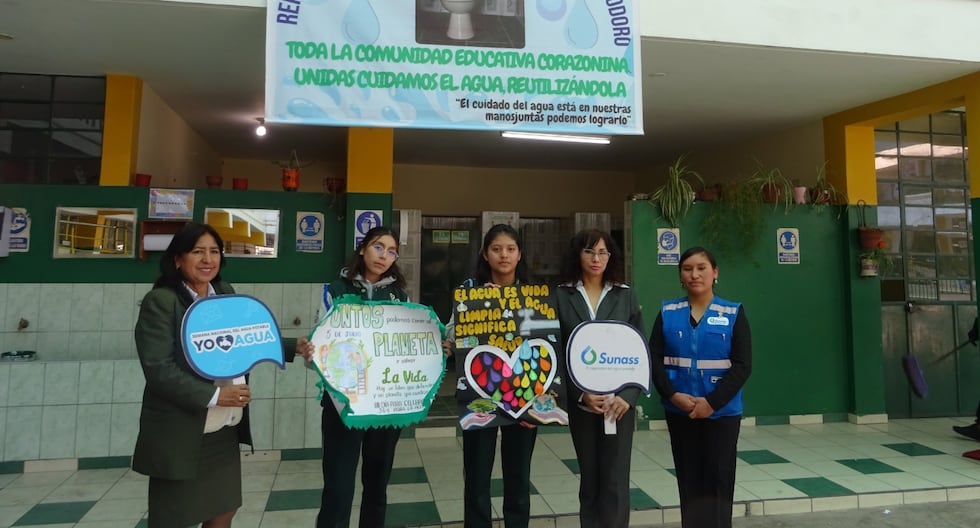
214	182
869	237
141	180
290	179
239	184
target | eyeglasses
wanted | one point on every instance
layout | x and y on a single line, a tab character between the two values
380	250
592	254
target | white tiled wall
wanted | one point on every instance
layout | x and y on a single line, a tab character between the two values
82	397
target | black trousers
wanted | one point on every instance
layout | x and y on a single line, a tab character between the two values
705	453
342	447
479	450
604	468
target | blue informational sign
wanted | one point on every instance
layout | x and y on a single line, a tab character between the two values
20	232
788	245
668	247
567	66
224	336
364	221
309	232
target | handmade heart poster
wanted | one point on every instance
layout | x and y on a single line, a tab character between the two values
380	362
508	360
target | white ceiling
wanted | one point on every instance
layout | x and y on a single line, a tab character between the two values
206	62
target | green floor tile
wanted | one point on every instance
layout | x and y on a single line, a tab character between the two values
410	475
835	418
572	464
11	467
55	513
761	456
818	487
868	466
293	500
771	420
641	501
104	462
672	471
412	514
913	449
497	488
309	453
144	523
408	432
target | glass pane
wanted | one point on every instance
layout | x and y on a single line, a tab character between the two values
951	243
889	217
893	239
79	89
946	146
921	266
951	218
955	290
886	168
25	143
886	142
917	195
918	124
921	289
945	196
920	241
954	267
910	144
76	144
918	217
79	116
20	171
887	193
914	169
74	171
949	170
947	123
24	115
25	87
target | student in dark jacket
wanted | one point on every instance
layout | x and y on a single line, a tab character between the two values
701	349
190	427
372	274
593	288
972	430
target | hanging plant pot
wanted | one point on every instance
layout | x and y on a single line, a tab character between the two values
334	185
214	182
869	237
239	184
771	193
290	179
869	267
141	180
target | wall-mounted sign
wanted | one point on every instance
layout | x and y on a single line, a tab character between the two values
20	231
364	221
545	66
668	247
309	232
460	236
788	245
171	204
441	236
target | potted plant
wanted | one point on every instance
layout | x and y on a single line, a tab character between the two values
675	196
875	261
869	237
335	188
709	193
772	186
734	222
290	171
823	193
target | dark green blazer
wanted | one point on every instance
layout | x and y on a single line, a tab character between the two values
620	304
175	399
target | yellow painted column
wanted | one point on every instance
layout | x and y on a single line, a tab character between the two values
973	139
120	136
370	169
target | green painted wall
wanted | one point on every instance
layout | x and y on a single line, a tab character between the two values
41	201
801	357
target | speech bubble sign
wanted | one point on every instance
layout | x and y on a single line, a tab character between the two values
224	336
380	361
606	356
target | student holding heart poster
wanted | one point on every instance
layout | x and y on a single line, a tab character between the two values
504	333
593	288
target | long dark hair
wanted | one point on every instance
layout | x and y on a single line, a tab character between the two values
183	243
571	264
355	266
483	272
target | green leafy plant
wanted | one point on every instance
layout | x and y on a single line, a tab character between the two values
823	194
883	261
734	222
675	196
772	186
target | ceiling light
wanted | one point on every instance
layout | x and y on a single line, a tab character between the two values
568	138
260	130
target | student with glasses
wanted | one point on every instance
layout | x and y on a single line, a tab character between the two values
372	274
592	287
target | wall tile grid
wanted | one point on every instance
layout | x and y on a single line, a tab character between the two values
82	398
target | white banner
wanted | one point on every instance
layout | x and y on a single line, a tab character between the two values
570	66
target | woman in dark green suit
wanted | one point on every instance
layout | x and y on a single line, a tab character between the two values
593	288
190	427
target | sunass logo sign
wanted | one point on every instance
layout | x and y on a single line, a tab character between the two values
224	336
606	356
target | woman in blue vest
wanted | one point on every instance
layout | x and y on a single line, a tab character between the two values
593	288
701	349
372	274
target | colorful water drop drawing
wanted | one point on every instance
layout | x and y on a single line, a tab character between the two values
360	24
580	27
552	10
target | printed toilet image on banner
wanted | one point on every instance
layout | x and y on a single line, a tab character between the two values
507	356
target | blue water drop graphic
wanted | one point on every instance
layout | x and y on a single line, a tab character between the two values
580	29
552	10
360	23
390	114
355	111
305	108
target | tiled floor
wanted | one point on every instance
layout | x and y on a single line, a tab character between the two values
782	469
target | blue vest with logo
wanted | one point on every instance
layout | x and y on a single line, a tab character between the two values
697	358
